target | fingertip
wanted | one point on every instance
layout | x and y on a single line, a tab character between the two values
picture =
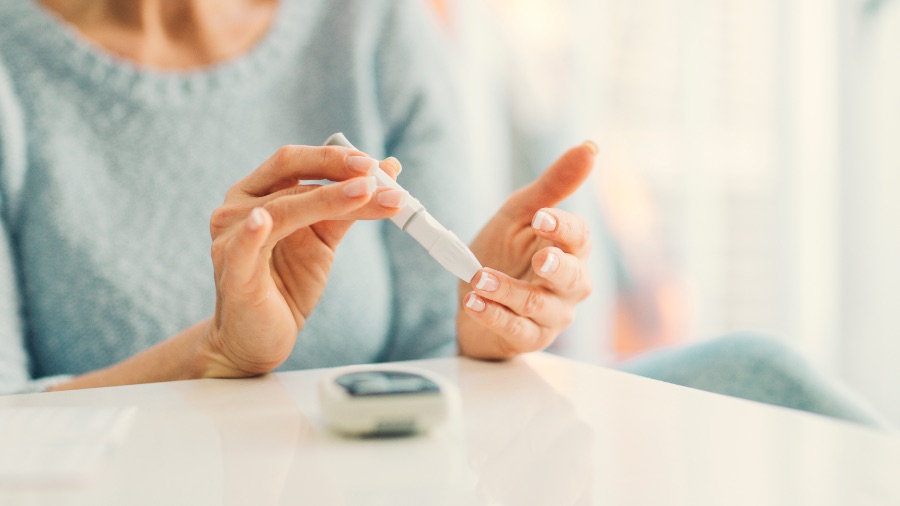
391	198
582	158
361	164
486	281
391	166
477	277
549	264
555	184
257	219
544	221
475	303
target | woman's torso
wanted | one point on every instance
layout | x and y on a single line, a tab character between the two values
125	167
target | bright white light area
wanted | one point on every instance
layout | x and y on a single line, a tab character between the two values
754	146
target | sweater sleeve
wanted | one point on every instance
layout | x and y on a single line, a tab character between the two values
14	361
421	113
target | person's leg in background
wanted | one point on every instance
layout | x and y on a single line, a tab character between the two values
758	368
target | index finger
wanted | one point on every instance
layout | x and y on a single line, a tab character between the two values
291	164
556	183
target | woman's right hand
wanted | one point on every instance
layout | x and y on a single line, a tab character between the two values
273	245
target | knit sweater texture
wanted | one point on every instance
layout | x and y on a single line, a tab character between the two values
109	173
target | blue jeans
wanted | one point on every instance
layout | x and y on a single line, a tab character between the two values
757	368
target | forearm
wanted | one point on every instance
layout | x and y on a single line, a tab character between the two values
181	357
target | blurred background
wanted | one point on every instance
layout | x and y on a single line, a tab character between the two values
749	174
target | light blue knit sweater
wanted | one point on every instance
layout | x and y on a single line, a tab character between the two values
109	174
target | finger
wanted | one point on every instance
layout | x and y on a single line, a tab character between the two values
566	230
328	202
518	334
565	275
391	166
388	199
387	202
556	183
524	299
243	254
291	164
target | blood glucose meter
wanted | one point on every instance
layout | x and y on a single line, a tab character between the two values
383	400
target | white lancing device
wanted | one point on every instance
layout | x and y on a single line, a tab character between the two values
414	219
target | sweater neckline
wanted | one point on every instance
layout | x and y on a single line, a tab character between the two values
103	68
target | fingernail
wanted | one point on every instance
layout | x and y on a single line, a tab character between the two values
391	198
396	163
592	146
474	303
487	282
362	164
544	221
256	219
360	187
550	263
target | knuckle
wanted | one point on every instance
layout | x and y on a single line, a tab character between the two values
533	303
283	155
564	232
580	284
221	219
492	317
514	327
331	153
507	324
232	193
293	190
571	234
325	199
511	330
505	291
324	155
276	211
574	232
578	281
217	250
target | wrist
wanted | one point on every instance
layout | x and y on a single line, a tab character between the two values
203	356
214	360
209	359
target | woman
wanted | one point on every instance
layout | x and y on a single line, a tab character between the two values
124	124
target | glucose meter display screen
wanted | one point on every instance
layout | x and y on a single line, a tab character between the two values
371	383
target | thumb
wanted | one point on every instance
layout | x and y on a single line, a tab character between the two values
244	251
556	183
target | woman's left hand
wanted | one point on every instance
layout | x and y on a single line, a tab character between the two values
538	272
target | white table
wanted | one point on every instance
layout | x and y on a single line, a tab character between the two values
536	430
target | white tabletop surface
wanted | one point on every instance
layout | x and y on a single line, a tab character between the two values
532	431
